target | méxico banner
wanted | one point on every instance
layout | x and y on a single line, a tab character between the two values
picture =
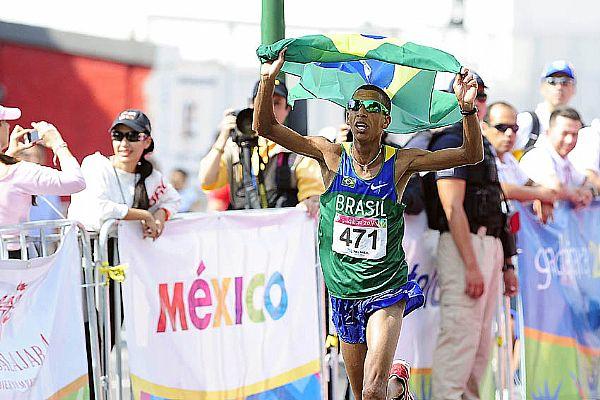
42	342
223	306
559	272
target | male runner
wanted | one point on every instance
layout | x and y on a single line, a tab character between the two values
361	219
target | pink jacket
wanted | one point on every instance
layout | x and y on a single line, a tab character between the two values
25	179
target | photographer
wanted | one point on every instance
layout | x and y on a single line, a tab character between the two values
274	176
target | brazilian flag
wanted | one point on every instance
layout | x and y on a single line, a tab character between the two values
332	67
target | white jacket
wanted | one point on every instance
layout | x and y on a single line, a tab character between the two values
104	199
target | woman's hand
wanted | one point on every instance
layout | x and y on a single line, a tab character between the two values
160	217
49	136
16	143
149	226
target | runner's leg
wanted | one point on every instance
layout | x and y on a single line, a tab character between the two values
383	332
354	359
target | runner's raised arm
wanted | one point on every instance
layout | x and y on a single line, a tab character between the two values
267	126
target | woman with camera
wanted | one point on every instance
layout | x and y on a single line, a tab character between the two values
125	185
21	181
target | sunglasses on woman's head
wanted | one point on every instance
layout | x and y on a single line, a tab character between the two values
131	136
371	106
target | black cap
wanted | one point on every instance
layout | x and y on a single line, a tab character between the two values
480	82
135	119
280	89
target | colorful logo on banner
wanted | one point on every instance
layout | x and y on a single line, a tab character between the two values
199	295
559	271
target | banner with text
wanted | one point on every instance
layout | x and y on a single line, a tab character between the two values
42	342
420	328
223	306
559	271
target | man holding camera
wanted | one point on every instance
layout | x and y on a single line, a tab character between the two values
279	178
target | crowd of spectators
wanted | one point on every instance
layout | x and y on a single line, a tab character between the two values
534	157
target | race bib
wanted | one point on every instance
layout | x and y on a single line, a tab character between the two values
360	237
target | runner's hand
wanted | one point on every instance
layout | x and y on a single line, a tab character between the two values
473	282
465	88
270	69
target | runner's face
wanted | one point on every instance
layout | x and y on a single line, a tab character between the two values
367	126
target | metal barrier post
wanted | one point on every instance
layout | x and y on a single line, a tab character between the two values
105	232
89	285
24	240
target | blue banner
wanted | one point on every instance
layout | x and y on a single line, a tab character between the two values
559	273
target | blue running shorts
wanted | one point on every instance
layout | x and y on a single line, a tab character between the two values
350	316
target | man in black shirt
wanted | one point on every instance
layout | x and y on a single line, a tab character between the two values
465	205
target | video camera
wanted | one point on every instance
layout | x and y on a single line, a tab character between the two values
243	135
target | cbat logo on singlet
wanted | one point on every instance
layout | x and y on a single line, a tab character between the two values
349	182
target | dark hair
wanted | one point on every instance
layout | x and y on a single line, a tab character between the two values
566	112
497	103
386	99
7	160
144	168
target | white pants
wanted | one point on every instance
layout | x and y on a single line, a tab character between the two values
464	342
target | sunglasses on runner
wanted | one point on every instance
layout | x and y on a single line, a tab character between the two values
371	106
559	80
131	136
505	127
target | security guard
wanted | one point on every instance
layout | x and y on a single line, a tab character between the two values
465	205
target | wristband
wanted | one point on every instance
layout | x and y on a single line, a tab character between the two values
473	111
167	214
506	267
58	146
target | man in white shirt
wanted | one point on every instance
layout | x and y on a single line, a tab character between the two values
557	89
548	164
586	154
500	128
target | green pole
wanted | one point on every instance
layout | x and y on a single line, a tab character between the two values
272	25
272	29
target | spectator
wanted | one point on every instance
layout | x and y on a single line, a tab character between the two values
474	251
22	180
189	196
500	130
289	179
125	185
586	154
557	89
548	164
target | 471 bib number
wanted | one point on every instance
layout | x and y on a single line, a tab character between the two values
360	237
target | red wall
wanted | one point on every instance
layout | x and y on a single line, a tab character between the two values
80	95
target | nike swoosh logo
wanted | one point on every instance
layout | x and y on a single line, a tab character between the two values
377	187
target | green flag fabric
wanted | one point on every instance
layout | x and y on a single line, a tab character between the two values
332	67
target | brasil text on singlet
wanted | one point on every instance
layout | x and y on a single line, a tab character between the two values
360	231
